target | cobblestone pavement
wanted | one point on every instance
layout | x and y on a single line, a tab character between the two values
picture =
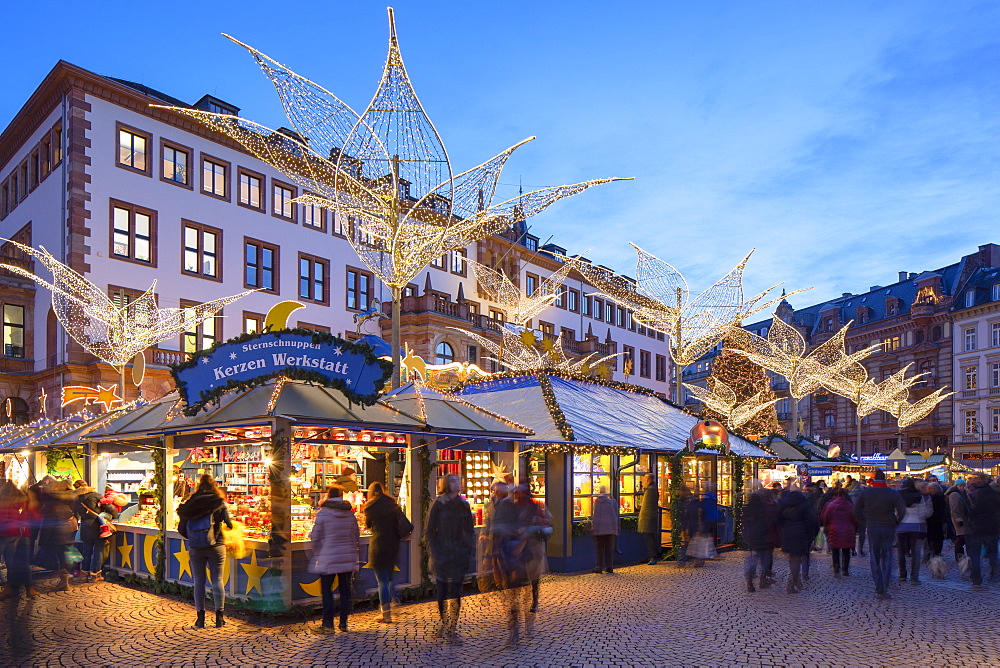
642	615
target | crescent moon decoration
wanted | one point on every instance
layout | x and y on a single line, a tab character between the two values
148	542
314	588
277	317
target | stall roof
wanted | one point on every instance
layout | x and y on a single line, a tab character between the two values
46	433
310	404
451	414
784	450
597	413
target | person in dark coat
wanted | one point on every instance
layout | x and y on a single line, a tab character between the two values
451	540
649	513
984	528
880	509
58	531
841	527
690	523
207	500
760	534
937	522
88	508
382	517
958	505
797	529
605	524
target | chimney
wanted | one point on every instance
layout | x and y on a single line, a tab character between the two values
902	276
912	276
874	288
991	254
846	294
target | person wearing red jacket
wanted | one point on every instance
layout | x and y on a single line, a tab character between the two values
18	515
841	528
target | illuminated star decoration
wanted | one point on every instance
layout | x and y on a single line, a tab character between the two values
385	172
659	298
500	473
106	396
359	455
113	333
254	574
723	400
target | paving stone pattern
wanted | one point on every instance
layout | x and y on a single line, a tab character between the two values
639	616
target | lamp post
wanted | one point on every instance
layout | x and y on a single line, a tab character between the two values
982	446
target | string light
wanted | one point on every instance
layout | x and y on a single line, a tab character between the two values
386	171
746	380
723	400
521	308
279	385
659	299
113	333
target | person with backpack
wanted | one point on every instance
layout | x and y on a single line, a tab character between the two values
389	526
201	520
93	515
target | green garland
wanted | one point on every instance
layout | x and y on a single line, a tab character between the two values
425	506
159	456
676	504
565	428
737	499
212	396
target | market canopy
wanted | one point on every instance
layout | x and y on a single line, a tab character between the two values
573	410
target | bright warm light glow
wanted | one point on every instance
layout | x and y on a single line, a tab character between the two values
25	453
267	461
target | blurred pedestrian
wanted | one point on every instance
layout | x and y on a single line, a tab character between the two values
912	530
18	514
605	525
94	530
689	512
485	548
958	506
58	528
760	533
649	513
984	525
387	522
881	510
336	553
937	522
451	540
841	528
201	519
797	528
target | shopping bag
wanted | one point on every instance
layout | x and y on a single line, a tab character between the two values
233	539
702	547
73	556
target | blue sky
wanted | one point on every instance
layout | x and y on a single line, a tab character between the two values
844	141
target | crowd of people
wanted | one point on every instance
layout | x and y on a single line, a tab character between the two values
912	517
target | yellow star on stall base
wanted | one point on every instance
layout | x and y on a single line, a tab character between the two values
528	338
184	559
126	551
254	574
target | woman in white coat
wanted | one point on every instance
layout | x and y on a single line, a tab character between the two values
336	552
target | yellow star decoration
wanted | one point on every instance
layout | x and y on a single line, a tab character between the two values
126	551
604	372
184	559
254	574
499	472
548	345
528	338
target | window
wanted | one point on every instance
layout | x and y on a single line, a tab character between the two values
971	417
440	262
312	328
251	190
458	262
215	177
995	334
644	366
995	374
133	233
661	368
995	292
472	354
313	273
201	336
314	216
585	305
970	298
45	156
202	246
995	420
970	377
609	312
573	300
970	338
591	473
890	343
628	360
33	170
175	163
4	199
567	334
252	322
57	147
560	300
282	196
360	285
829	418
630	483
337	223
133	149
620	317
546	328
936	333
444	353
598	308
15	195
530	284
498	316
13	331
261	269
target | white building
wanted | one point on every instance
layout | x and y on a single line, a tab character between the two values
976	316
128	194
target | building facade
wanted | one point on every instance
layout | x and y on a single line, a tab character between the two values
127	194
